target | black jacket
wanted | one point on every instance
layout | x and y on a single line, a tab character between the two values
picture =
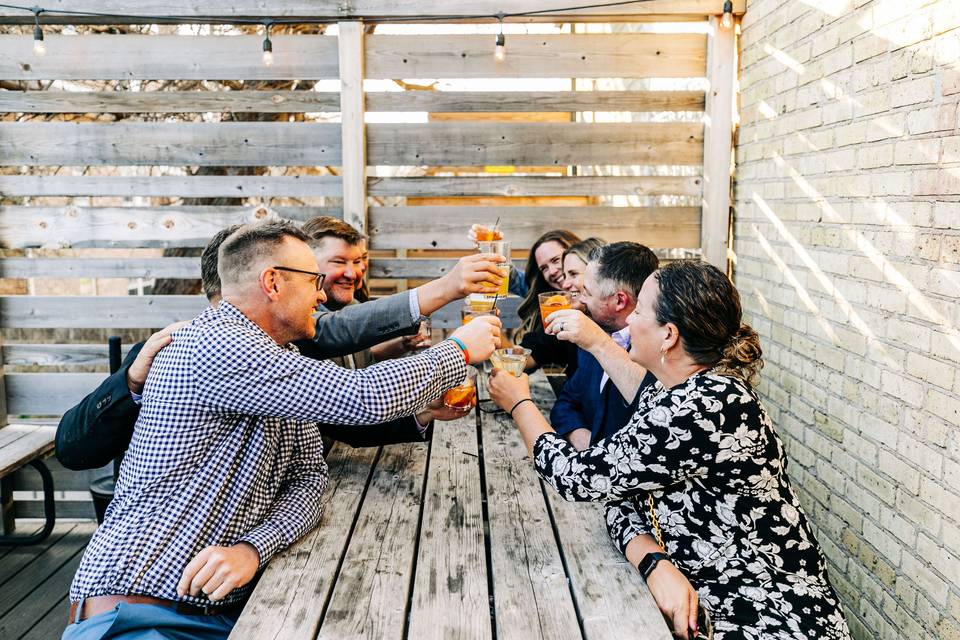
99	428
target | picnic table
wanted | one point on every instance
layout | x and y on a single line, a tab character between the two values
458	539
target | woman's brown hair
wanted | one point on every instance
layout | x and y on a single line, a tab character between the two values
705	307
529	310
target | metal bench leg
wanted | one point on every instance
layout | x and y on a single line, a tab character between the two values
49	511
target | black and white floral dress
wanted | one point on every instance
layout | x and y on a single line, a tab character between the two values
707	453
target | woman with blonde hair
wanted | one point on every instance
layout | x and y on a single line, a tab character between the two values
695	485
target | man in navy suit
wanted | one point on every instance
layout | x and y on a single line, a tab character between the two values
590	408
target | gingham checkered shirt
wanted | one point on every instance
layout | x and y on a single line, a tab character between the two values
226	449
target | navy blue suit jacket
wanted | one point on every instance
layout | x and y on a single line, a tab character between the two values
581	404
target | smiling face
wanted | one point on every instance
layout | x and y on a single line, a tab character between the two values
573	268
549	256
343	264
297	297
647	335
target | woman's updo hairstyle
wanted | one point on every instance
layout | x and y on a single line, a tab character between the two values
705	307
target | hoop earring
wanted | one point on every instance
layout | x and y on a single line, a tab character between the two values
663	355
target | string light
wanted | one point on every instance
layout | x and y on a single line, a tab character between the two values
500	51
727	20
39	48
267	45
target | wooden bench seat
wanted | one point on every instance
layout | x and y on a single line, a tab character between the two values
21	445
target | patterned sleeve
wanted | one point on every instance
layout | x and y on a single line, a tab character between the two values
625	521
296	510
680	436
234	373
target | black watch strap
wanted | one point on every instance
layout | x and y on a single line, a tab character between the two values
649	562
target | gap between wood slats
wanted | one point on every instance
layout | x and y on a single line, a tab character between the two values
153	312
300	144
305	186
315	101
373	9
163	57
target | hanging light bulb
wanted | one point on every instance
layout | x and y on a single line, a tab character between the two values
726	21
500	51
267	46
39	48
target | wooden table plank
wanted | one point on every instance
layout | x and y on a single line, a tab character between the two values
530	587
371	594
295	587
16	558
450	594
36	442
612	598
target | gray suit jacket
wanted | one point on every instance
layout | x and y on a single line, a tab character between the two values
360	326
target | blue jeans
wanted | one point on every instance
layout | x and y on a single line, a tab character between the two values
150	622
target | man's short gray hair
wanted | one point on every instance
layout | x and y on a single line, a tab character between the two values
248	247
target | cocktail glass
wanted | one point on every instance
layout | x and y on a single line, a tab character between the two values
553	301
513	360
464	395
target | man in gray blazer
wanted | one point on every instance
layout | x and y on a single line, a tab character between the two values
98	429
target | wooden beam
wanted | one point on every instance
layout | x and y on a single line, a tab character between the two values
46	355
53	101
718	145
161	57
445	227
172	186
306	186
305	144
353	128
170	226
3	396
155	312
368	10
635	55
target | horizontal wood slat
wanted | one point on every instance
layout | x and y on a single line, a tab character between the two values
443	227
635	55
30	394
312	101
368	9
58	354
169	226
298	144
163	57
153	312
189	268
305	186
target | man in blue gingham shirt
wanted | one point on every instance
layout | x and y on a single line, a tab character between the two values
225	467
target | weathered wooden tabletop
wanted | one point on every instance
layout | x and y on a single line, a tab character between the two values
458	539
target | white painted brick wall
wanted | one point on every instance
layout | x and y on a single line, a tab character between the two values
847	236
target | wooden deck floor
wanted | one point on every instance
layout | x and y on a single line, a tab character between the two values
34	582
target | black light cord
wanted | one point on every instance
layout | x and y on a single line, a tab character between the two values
51	16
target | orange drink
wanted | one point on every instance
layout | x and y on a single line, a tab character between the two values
464	395
552	301
479	302
500	247
485	234
467	314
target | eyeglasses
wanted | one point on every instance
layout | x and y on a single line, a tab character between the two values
318	277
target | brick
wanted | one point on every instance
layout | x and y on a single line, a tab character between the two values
918	513
945	282
930	370
917	151
931	584
947	406
913	91
939	498
901	387
905	476
875	156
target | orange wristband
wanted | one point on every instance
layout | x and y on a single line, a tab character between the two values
463	347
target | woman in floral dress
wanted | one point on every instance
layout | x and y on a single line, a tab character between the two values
699	466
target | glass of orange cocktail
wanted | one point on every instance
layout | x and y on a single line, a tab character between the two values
485	234
552	301
467	314
464	395
499	247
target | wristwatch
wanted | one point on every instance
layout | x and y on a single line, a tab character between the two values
649	562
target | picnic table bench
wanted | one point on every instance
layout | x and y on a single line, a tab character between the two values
21	445
458	539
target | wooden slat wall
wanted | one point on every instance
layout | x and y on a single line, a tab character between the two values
159	132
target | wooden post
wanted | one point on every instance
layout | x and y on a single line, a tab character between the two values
718	144
354	169
7	512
